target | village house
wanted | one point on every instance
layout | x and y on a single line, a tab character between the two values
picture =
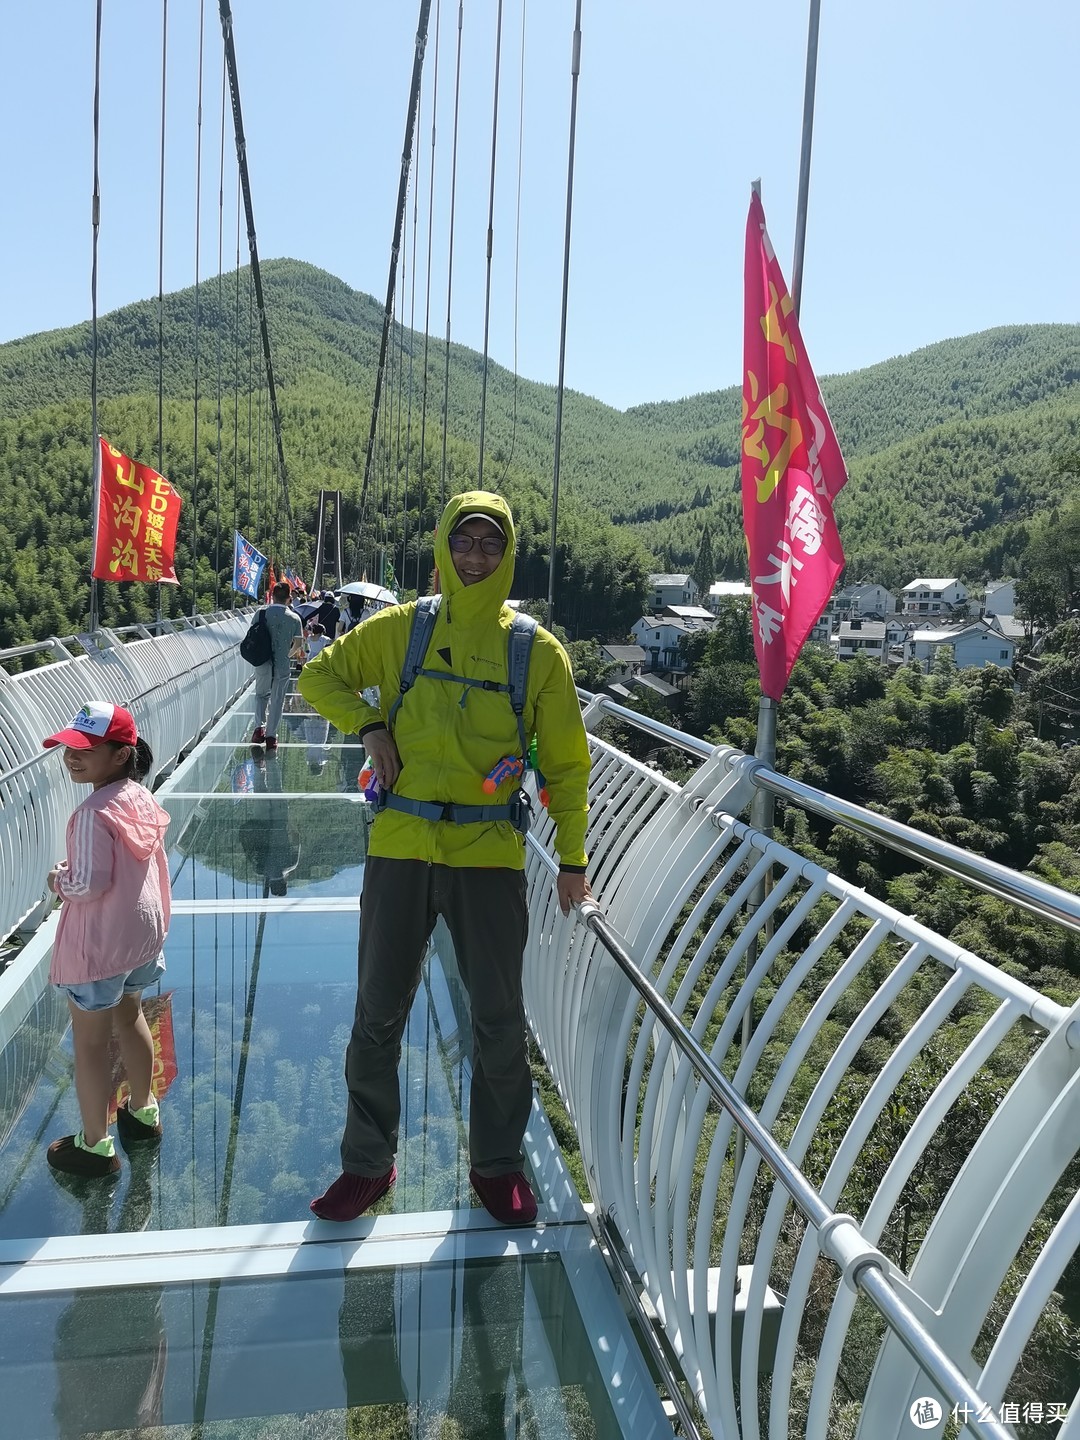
1000	598
974	643
721	590
659	636
861	637
630	660
672	590
932	597
866	600
695	616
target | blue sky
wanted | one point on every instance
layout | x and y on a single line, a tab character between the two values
943	194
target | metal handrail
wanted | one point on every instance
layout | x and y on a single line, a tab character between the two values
1031	894
141	630
142	695
861	1264
668	733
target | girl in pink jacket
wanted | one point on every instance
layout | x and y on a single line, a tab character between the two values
115	887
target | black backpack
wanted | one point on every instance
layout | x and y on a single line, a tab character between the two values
257	647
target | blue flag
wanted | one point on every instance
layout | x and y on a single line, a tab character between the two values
248	567
243	778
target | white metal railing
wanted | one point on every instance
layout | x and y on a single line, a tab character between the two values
826	970
174	684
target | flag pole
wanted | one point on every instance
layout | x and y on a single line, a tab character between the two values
763	805
95	226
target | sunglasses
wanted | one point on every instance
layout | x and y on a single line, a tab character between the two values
489	544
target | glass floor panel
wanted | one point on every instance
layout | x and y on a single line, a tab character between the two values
252	1020
453	1349
329	768
430	1337
262	844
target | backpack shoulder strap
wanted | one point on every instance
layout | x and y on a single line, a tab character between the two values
423	624
518	650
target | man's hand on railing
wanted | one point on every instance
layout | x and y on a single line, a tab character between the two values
572	889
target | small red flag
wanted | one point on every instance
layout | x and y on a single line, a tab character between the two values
137	515
792	468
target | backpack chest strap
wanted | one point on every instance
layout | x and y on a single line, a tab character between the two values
466	681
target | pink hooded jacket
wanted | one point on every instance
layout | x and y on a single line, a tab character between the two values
114	884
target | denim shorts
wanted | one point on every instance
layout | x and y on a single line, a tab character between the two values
107	994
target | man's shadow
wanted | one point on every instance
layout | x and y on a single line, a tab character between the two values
470	1382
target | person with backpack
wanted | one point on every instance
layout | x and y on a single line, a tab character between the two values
460	689
286	631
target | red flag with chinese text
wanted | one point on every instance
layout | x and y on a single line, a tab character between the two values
792	469
138	512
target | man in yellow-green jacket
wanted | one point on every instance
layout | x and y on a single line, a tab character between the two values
431	754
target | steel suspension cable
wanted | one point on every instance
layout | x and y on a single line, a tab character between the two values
249	515
236	375
396	505
95	225
161	266
490	241
225	11
408	416
420	504
399	220
517	243
198	226
450	257
220	339
575	70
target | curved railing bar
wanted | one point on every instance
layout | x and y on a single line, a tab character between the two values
840	1240
1033	895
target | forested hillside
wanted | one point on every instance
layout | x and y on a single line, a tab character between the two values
952	450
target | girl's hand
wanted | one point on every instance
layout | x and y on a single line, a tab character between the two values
53	874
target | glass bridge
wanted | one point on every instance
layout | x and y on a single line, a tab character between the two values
754	1061
198	1294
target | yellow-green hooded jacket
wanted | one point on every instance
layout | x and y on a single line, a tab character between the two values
450	736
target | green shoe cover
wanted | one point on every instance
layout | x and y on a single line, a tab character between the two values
103	1147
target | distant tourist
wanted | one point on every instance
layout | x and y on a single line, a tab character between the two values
317	639
114	883
272	679
439	844
328	613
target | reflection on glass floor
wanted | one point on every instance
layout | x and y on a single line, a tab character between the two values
351	1335
452	1349
252	1021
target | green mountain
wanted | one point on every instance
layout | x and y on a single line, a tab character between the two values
952	451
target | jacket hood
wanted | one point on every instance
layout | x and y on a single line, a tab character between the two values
136	817
486	597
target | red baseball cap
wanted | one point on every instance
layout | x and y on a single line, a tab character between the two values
97	722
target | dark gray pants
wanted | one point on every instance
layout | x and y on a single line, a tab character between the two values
485	912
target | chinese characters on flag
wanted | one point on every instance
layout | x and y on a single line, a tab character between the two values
138	512
792	469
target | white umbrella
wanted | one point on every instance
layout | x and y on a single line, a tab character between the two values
367	591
